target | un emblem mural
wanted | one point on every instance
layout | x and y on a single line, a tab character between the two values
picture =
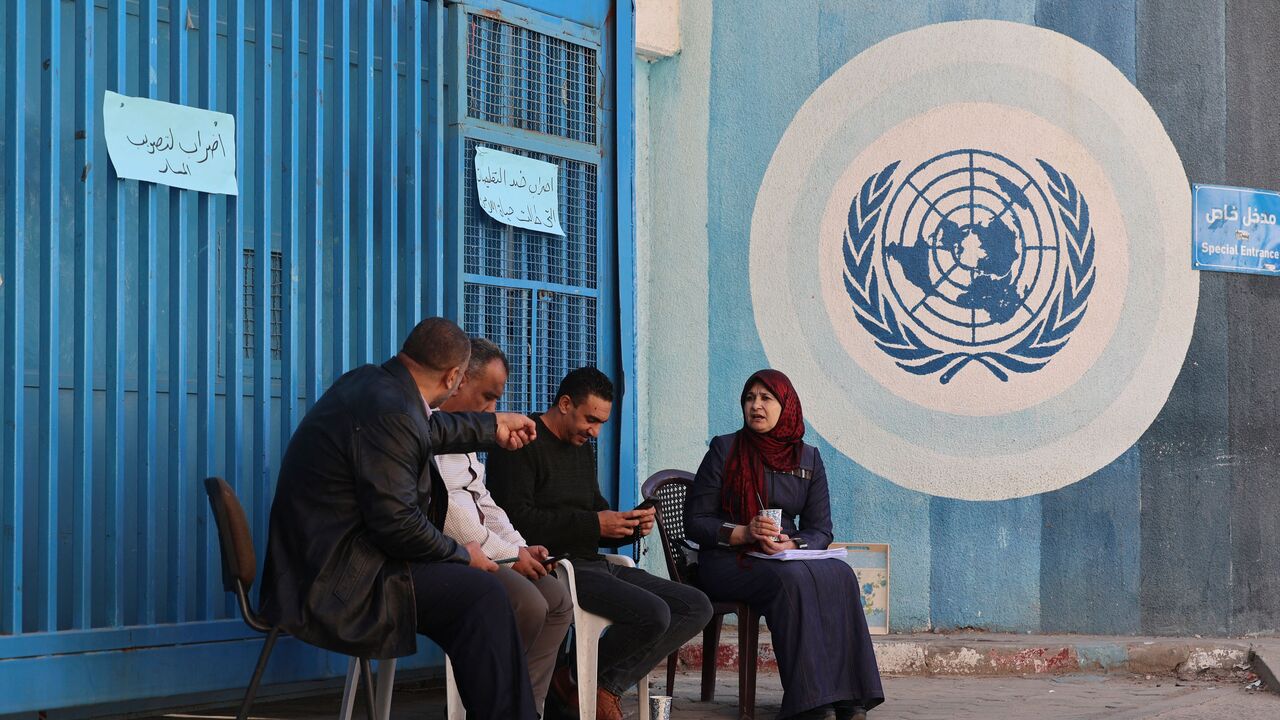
969	249
976	259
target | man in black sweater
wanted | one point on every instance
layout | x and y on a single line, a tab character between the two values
550	492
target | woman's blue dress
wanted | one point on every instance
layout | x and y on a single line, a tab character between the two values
812	607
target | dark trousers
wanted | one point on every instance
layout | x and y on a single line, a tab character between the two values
651	617
467	612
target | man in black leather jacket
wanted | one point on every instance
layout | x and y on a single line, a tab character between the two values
356	561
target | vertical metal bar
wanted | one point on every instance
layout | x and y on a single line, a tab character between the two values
315	250
537	368
541	91
289	223
344	332
414	233
179	203
148	200
114	431
390	176
50	337
233	259
520	97
15	302
436	189
566	53
477	47
364	209
207	343
86	111
262	365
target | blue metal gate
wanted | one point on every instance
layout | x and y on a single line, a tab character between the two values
131	313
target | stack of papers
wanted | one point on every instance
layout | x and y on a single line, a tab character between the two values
837	553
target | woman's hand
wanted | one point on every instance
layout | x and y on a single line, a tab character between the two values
762	528
769	547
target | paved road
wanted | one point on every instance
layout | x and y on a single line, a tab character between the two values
910	698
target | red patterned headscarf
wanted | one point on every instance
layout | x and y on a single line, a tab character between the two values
779	449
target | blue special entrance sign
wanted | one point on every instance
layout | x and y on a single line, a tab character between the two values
1234	230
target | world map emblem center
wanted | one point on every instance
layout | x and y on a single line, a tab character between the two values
969	252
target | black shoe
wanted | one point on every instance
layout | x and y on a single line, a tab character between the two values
849	710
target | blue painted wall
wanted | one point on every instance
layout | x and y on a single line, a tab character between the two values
151	337
1174	536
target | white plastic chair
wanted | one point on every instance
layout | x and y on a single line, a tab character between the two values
587	628
453	701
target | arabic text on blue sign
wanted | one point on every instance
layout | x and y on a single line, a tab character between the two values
1234	230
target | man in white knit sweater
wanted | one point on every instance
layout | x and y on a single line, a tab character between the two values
542	607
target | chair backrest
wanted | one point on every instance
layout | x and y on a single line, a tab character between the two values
669	489
239	562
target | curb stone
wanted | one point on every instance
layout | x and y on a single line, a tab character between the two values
999	654
1266	663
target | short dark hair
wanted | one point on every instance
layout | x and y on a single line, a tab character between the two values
437	343
582	382
484	352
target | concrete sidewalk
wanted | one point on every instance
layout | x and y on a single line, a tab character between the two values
962	675
909	698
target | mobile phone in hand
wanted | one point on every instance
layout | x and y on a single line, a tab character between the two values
648	503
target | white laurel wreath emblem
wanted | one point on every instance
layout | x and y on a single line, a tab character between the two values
910	352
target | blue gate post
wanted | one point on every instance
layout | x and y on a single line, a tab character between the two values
179	477
15	262
86	249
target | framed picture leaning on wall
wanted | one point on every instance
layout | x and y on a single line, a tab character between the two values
871	562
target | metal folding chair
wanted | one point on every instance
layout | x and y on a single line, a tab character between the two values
239	569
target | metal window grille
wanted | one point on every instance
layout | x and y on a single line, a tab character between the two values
566	339
525	79
503	316
277	303
248	305
497	250
535	294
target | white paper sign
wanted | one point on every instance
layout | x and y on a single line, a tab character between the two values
170	144
519	191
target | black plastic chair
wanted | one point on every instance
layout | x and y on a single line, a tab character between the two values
239	569
669	489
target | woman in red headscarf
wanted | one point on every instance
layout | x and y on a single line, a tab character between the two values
818	629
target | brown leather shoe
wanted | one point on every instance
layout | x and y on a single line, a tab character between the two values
566	691
608	705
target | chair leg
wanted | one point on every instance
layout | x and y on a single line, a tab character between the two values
748	649
386	684
350	687
257	673
370	699
587	644
710	654
453	700
672	659
642	689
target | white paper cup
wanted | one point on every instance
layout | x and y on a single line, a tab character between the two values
774	514
659	707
